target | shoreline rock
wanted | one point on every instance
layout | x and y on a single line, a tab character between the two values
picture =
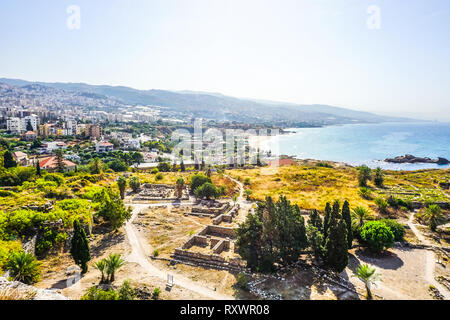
408	158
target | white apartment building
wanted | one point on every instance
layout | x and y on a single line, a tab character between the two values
14	125
33	119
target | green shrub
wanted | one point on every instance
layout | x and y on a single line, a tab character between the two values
197	180
24	267
397	228
377	236
94	293
56	177
365	193
242	281
156	293
159	176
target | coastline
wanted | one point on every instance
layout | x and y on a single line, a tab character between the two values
302	138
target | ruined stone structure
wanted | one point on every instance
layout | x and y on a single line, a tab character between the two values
209	208
214	246
152	192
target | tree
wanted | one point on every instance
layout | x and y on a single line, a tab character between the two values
378	178
135	183
276	233
101	266
361	215
326	220
113	263
96	166
112	207
182	166
433	216
315	240
8	160
367	274
29	126
122	184
377	236
38	168
336	251
207	190
24	267
80	251
163	167
198	180
179	187
60	162
348	220
364	174
315	220
137	158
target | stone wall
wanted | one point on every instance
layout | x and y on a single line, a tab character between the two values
218	231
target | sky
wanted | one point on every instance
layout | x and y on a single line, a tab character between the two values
384	56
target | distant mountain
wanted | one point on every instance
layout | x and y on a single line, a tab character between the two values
220	107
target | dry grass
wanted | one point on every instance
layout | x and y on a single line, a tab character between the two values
15	294
312	187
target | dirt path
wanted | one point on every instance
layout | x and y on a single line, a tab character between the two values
431	259
140	252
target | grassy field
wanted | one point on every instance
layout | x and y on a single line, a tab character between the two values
312	187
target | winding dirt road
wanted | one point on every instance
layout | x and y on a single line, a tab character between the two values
141	251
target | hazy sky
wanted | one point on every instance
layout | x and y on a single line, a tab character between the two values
289	50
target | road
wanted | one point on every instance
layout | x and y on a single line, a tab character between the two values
140	253
431	258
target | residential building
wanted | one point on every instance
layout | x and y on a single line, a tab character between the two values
21	158
44	130
32	119
104	146
30	136
51	164
14	125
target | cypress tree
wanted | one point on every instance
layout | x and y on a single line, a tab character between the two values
8	160
315	220
38	168
326	220
336	252
348	220
182	167
80	247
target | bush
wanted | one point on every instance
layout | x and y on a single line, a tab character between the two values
117	165
197	180
24	267
164	167
155	252
365	193
56	177
159	176
154	171
377	236
392	201
94	293
156	293
242	281
6	193
207	190
324	165
7	248
397	228
382	204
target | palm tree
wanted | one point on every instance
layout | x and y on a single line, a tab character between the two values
434	216
122	183
113	263
101	266
179	187
361	214
367	274
24	267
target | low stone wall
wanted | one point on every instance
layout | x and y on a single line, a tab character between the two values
222	245
218	231
210	208
195	240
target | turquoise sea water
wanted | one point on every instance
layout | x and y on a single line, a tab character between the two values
357	144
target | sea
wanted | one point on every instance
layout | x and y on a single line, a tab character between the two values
369	144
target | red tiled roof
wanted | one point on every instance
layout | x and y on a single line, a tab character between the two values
30	133
51	162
